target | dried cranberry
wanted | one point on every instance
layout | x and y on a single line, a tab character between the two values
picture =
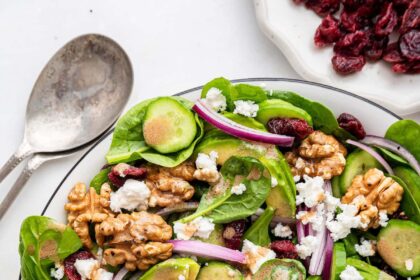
351	21
345	65
323	7
123	171
410	45
352	125
69	269
292	127
407	67
392	54
327	32
387	21
375	47
411	17
351	44
232	234
284	249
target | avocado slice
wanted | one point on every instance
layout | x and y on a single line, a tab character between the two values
245	121
398	243
276	108
173	269
338	263
286	269
220	271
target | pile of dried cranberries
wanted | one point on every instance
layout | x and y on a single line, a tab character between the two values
363	31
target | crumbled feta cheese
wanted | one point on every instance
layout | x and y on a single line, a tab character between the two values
246	108
199	227
366	248
263	85
204	161
256	255
311	192
104	275
331	202
215	99
57	272
238	189
133	195
383	218
85	267
181	277
344	222
409	264
296	178
315	218
350	273
274	182
282	231
307	246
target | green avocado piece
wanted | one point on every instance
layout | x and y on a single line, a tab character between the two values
245	121
286	269
216	236
399	242
338	263
173	269
411	199
219	271
276	108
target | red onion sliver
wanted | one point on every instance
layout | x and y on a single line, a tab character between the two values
235	129
326	272
121	273
373	153
207	250
394	147
177	208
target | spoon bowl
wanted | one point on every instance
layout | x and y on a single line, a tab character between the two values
79	94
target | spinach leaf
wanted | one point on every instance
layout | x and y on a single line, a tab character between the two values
410	182
258	233
407	134
100	179
128	142
391	158
249	92
43	242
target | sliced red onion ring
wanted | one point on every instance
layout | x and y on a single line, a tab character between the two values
373	153
207	250
326	271
235	129
316	259
394	147
121	273
178	208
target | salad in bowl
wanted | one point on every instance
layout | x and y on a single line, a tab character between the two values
243	183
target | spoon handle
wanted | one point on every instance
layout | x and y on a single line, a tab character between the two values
22	152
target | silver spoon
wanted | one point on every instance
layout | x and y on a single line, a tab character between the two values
78	95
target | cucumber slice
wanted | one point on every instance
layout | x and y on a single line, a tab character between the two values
358	162
220	271
338	260
168	125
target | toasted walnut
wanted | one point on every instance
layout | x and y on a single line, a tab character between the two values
169	186
85	206
318	155
372	193
136	240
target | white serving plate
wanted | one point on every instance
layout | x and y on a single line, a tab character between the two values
292	27
375	118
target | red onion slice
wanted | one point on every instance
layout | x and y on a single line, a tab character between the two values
373	153
235	129
178	208
121	273
326	271
394	147
207	250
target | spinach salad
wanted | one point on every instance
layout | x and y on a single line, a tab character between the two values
245	183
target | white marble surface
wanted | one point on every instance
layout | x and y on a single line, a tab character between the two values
173	45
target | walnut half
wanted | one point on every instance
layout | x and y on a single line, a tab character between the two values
318	155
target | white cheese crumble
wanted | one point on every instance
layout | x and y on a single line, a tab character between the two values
296	178
133	195
181	277
350	273
199	227
238	189
246	108
383	218
344	222
215	99
274	182
282	231
307	246
104	275
311	192
263	85
85	267
205	161
57	272
409	264
366	248
256	255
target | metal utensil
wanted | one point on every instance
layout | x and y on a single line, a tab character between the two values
78	95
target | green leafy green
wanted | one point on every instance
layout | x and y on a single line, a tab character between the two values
100	179
410	181
367	271
128	142
391	158
225	86
246	121
258	233
407	134
249	92
43	242
349	242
